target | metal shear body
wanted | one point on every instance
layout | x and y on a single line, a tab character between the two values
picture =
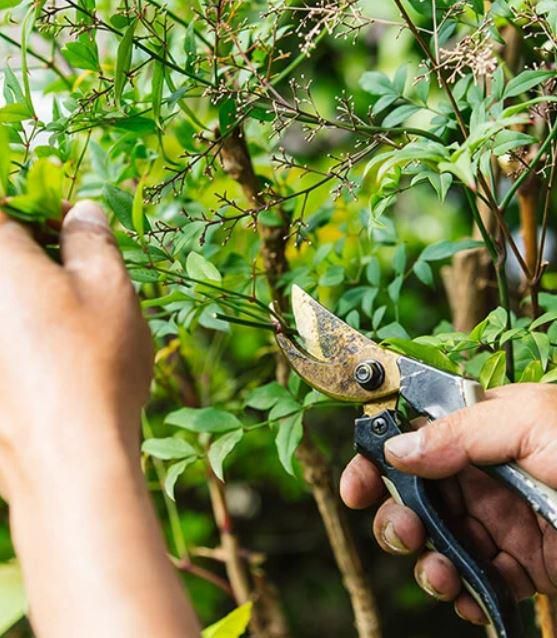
342	363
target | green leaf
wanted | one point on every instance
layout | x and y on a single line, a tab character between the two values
123	61
395	287
547	317
549	377
543	346
426	353
314	397
373	271
525	81
532	373
157	86
333	276
121	204
423	272
392	330
190	48
204	420
82	54
461	166
135	124
506	141
289	435
493	371
44	189
4	160
400	114
422	89
199	268
399	259
231	626
377	84
227	115
221	448
138	218
444	249
168	448
266	396
11	113
9	4
13	603
173	474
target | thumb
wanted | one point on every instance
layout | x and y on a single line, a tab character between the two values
89	250
493	431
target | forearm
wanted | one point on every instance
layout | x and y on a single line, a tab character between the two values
109	578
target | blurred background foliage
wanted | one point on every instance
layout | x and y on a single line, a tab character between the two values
132	109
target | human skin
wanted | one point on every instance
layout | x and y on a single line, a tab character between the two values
516	422
75	369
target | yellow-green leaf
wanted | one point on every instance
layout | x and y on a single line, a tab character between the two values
138	218
14	113
4	161
493	371
13	603
232	626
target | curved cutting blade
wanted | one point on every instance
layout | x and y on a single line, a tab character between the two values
331	352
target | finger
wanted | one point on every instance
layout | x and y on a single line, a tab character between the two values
468	609
489	432
437	576
19	254
89	251
361	484
515	575
398	529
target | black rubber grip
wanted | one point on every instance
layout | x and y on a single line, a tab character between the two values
483	581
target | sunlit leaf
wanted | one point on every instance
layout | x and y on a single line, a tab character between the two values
232	626
13	603
493	372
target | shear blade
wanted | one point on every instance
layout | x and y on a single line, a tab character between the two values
332	350
325	336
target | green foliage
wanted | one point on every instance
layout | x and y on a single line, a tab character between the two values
13	603
231	626
201	136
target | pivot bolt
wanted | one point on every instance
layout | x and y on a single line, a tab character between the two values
370	375
379	425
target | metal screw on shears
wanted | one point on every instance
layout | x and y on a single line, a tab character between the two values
370	375
379	425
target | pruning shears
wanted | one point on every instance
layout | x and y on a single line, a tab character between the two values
342	363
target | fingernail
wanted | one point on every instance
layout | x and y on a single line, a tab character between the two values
391	539
404	445
87	211
424	583
475	621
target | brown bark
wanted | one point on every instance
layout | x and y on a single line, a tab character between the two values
468	281
236	161
318	475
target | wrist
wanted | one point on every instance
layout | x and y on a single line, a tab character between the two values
71	450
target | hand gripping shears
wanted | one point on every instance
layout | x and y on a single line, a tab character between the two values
342	363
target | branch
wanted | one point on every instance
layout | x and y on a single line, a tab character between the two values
317	472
